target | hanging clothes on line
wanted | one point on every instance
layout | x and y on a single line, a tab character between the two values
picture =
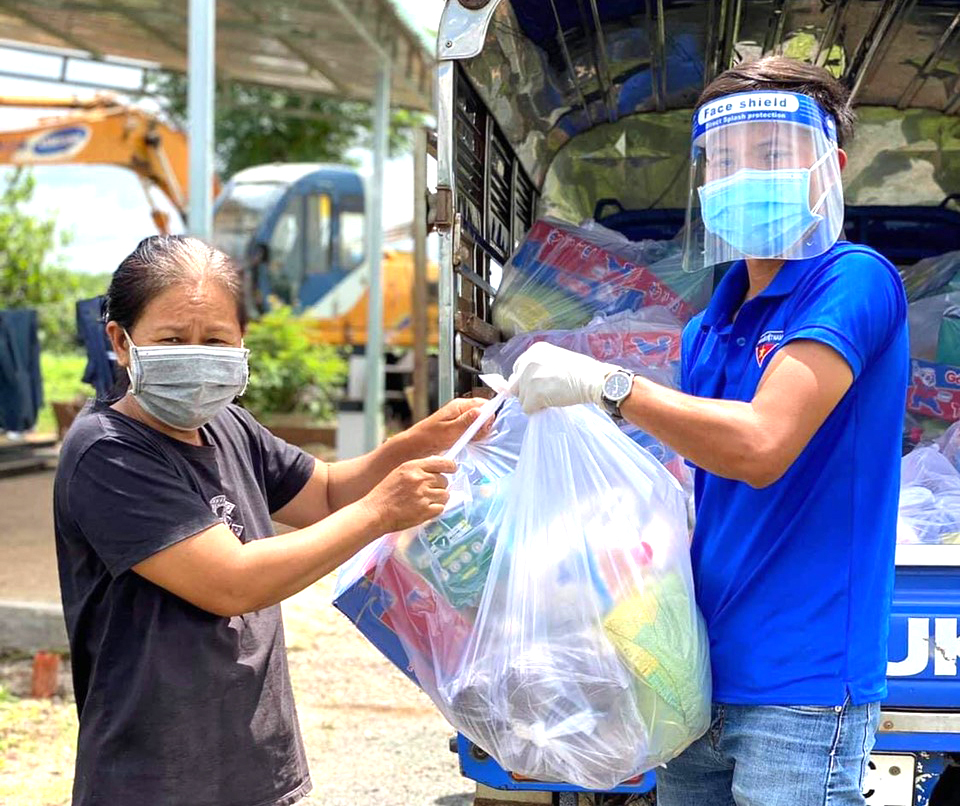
101	367
21	385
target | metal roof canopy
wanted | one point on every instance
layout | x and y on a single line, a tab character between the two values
576	65
360	50
323	47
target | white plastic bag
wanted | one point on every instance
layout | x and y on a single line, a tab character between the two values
585	658
429	579
589	661
929	498
646	341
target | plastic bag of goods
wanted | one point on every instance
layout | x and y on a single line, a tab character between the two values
929	510
584	657
588	661
560	277
932	275
646	341
408	587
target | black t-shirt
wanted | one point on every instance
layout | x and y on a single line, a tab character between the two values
177	706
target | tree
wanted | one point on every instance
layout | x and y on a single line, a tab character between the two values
256	124
290	373
32	274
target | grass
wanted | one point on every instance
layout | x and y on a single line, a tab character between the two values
62	382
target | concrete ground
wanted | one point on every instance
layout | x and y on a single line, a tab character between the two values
28	560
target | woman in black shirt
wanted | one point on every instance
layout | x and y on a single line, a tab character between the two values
171	597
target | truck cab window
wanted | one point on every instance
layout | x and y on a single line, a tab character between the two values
351	239
286	252
240	212
318	226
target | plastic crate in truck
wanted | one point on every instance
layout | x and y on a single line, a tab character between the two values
581	109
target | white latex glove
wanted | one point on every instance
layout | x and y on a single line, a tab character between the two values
546	375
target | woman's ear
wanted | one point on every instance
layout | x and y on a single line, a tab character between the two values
842	158
120	343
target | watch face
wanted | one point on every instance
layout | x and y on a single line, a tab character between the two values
617	386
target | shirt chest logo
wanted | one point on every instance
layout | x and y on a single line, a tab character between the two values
223	509
767	343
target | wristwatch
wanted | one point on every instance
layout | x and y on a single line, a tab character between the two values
616	389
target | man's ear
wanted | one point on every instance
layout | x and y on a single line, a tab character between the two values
842	158
120	343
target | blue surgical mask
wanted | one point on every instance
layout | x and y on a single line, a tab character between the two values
186	386
761	213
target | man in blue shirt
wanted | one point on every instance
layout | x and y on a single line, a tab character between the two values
793	389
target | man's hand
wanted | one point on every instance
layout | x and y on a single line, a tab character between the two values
441	429
551	376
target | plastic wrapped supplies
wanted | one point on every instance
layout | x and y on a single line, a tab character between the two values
562	276
646	341
933	289
405	587
584	658
932	275
926	317
930	495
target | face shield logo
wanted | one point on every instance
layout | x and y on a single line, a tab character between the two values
747	103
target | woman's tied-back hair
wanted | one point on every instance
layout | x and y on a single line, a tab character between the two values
791	75
161	262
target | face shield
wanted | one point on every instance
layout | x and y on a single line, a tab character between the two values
765	180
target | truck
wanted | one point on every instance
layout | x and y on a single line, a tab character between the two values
296	229
581	109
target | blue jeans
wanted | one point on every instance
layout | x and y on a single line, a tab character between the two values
772	755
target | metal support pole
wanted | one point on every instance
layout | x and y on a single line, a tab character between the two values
447	291
373	404
421	375
200	99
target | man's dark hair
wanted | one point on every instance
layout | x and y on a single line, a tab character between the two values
792	75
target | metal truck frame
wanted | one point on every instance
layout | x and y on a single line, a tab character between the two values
542	107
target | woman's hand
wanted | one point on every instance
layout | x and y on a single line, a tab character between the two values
441	429
342	483
413	493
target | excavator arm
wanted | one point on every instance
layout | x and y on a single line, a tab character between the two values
103	131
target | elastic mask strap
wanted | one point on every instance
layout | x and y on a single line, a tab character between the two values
129	367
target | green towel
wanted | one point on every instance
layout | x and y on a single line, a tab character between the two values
658	635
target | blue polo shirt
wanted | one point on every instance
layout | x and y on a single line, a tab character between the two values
795	580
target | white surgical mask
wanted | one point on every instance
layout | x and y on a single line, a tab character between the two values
186	386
